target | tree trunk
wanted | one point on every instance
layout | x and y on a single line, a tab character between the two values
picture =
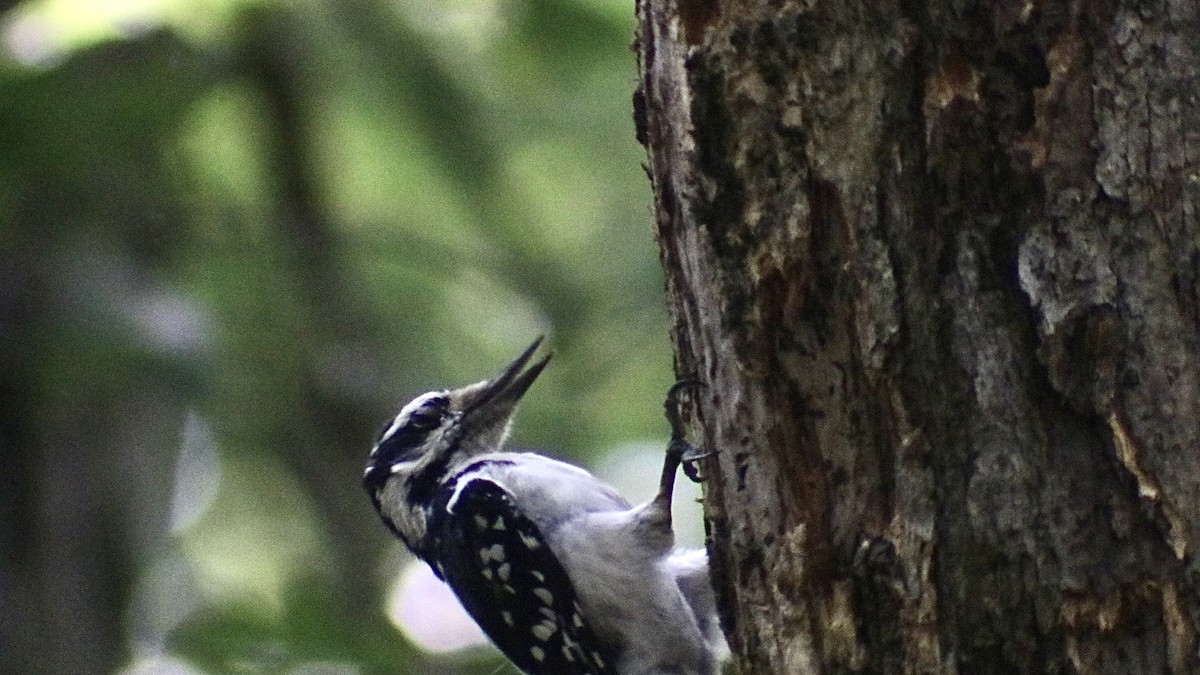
939	266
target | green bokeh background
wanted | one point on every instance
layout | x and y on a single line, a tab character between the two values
234	237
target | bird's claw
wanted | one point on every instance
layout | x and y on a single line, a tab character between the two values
679	450
690	463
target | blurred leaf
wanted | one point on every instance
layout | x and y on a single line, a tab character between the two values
232	638
116	100
311	627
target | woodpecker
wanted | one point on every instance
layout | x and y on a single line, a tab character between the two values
560	571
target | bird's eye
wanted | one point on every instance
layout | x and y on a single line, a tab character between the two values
415	421
425	419
430	414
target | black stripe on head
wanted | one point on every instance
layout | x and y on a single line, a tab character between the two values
402	439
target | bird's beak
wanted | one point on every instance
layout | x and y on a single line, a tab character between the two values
499	395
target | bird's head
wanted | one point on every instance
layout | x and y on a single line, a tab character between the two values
438	430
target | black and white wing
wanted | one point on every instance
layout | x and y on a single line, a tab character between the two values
498	564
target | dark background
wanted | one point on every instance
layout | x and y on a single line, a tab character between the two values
234	237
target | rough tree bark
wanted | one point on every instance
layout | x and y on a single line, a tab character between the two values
939	265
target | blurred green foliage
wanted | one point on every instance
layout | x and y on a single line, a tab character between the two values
235	236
